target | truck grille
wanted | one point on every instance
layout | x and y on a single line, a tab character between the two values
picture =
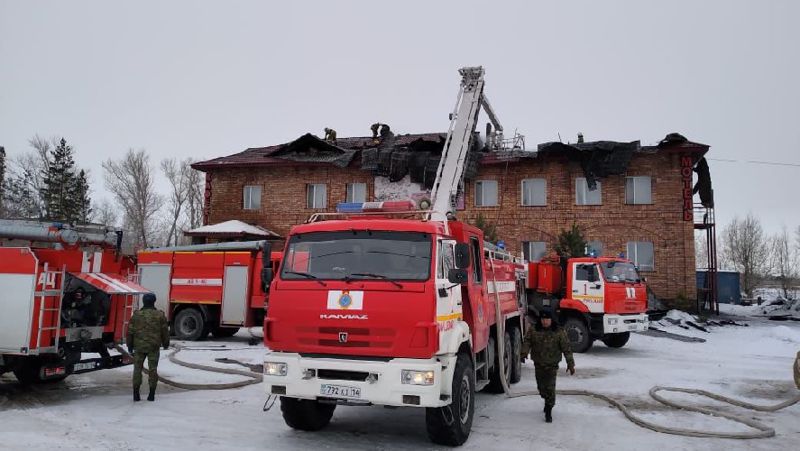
342	375
356	337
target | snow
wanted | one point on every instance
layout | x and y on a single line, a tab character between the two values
233	226
94	410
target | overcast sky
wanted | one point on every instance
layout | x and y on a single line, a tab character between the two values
206	79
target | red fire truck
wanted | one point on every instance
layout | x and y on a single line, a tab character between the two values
372	307
216	288
599	299
66	292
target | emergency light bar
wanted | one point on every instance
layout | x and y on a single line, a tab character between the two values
369	207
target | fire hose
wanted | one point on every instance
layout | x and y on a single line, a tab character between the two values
760	430
252	376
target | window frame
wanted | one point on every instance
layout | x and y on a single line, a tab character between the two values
247	197
585	187
634	256
633	178
522	192
313	187
526	250
590	247
482	195
350	189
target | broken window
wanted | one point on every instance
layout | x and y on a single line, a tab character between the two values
316	195
486	193
356	192
641	254
534	192
585	196
638	190
534	251
252	197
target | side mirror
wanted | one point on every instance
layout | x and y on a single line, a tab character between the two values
462	255
266	278
457	276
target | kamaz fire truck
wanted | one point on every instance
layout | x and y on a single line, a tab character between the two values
66	291
393	308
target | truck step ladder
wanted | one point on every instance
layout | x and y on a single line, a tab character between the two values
131	302
46	276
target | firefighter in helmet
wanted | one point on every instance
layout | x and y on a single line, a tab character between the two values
148	331
546	342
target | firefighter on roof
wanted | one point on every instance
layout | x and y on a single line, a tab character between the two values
147	332
546	342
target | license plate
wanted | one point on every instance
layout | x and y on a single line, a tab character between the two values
83	366
340	391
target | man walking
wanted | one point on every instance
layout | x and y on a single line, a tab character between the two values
147	331
797	370
546	342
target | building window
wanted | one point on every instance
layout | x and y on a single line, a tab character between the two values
583	196
594	248
316	195
534	251
641	254
356	192
638	190
486	193
251	197
534	192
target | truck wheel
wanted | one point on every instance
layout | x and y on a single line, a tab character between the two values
516	350
451	425
502	367
306	414
190	325
27	373
224	332
578	335
616	340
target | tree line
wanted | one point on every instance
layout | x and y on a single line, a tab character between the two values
745	247
46	183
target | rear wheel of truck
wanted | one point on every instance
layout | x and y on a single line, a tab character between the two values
190	325
516	359
616	340
578	334
29	372
224	332
451	425
306	414
502	367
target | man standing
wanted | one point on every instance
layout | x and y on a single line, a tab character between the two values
546	342
797	370
147	331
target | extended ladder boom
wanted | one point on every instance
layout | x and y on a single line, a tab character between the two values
450	173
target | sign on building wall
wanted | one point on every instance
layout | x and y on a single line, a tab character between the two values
405	189
687	163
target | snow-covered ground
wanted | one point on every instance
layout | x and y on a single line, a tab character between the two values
94	411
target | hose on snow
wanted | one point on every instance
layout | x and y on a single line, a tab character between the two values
760	430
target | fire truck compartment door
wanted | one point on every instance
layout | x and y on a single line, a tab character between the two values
234	296
156	278
17	308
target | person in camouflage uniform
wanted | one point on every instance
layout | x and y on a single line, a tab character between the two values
147	332
797	370
546	342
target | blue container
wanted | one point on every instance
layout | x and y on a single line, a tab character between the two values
728	288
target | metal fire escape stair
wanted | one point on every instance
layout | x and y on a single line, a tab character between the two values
707	295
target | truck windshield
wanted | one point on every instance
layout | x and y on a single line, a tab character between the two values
620	272
358	254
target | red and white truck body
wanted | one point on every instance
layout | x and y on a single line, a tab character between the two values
42	335
601	298
213	288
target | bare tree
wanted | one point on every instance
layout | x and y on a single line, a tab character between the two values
196	185
176	173
747	250
131	181
105	213
784	260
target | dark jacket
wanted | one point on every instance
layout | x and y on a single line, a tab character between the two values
547	345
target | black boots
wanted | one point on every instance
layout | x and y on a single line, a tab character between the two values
152	395
548	414
136	396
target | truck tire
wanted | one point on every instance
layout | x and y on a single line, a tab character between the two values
616	340
306	414
451	425
516	350
190	325
502	367
27	373
578	334
224	332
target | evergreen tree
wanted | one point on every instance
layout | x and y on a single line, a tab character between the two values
64	191
80	200
489	230
571	243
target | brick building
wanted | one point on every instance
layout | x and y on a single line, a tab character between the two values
642	204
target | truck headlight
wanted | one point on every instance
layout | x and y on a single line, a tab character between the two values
275	368
612	321
412	377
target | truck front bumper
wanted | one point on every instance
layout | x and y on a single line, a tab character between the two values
614	324
349	381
